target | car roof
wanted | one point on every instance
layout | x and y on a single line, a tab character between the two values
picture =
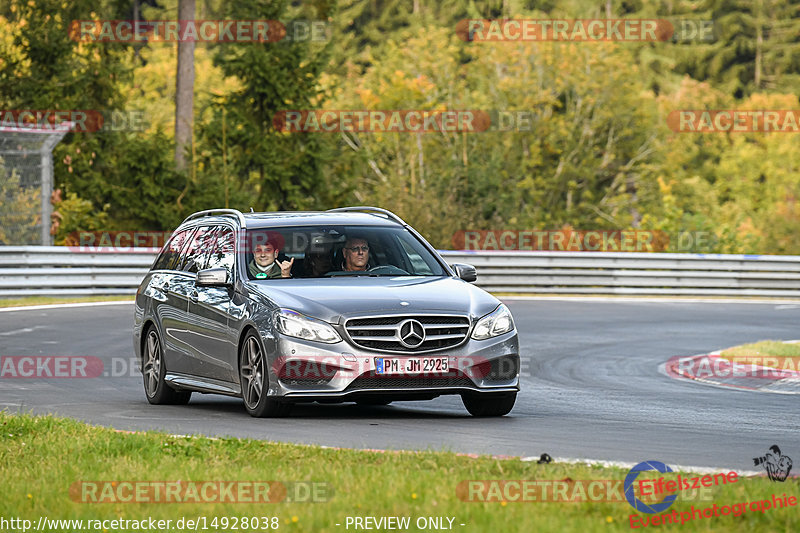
303	218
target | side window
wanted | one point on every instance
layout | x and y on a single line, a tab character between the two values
197	251
222	253
168	259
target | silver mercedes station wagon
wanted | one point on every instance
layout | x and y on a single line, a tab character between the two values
346	305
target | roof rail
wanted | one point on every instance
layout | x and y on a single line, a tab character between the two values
209	212
370	209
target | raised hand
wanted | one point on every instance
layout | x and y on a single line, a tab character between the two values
286	268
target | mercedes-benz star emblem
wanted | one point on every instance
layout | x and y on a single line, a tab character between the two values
411	333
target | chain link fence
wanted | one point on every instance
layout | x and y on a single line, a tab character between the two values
26	183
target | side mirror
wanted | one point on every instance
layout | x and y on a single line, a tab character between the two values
465	272
213	277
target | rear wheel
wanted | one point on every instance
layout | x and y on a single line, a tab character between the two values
254	379
153	372
489	404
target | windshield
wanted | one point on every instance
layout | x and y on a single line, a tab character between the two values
330	251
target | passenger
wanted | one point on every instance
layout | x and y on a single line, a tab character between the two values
318	260
265	264
356	255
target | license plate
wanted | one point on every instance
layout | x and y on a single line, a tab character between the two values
410	365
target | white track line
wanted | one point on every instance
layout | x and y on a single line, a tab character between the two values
650	300
562	460
628	466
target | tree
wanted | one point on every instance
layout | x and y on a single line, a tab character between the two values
271	169
184	89
582	155
757	46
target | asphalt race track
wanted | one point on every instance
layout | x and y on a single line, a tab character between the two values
592	388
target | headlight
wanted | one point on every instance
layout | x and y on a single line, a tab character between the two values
294	324
495	323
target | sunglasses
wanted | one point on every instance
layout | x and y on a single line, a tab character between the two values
364	249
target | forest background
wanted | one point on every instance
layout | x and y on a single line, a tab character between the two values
596	154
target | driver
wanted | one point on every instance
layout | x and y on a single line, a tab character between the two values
356	255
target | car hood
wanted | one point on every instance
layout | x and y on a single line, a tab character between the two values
338	298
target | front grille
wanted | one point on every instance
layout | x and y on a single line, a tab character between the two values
373	381
382	333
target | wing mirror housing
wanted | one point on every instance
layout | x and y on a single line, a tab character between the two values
465	272
214	277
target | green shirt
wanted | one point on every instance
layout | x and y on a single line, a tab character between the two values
274	271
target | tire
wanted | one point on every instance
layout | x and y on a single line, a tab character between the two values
153	371
489	404
254	379
372	401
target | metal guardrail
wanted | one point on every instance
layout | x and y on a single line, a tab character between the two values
634	273
60	271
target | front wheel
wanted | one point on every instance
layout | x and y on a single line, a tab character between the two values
489	404
254	380
153	372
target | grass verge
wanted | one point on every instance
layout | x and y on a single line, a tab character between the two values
41	457
772	354
47	300
760	348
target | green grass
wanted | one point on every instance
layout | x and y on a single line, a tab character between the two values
763	348
772	354
41	457
45	300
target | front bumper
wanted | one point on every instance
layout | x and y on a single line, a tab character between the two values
306	371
